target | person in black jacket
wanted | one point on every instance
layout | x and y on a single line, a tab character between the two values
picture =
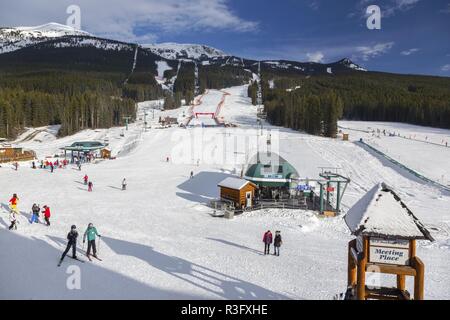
72	237
277	243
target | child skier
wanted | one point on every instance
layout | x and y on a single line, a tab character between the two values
90	233
277	243
72	237
35	210
267	239
86	179
124	184
90	186
13	219
47	215
13	202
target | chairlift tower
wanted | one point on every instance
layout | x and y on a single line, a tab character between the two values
127	119
259	98
145	120
332	177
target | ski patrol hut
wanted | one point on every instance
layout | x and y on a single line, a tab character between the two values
386	232
239	191
272	174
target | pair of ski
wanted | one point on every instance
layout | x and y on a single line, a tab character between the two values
95	258
80	260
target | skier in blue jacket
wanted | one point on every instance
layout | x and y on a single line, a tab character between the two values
90	234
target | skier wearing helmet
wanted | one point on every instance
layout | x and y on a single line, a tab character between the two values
72	243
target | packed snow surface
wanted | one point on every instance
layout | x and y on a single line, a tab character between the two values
160	240
162	67
379	213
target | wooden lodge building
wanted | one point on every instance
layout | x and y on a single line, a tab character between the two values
12	154
239	191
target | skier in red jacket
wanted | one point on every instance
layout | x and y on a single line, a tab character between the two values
13	202
267	239
46	212
86	179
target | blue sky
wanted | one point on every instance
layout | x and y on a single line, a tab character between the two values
414	35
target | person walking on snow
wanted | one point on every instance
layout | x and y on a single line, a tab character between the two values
124	184
277	242
35	210
267	239
47	215
90	234
90	186
72	237
192	174
13	202
86	179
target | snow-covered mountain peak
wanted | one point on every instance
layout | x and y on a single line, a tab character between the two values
12	39
173	51
49	30
350	64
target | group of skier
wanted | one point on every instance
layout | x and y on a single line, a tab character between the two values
90	234
35	210
90	184
268	239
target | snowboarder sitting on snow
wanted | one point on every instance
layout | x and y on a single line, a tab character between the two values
90	233
72	237
124	184
277	242
46	213
35	210
267	239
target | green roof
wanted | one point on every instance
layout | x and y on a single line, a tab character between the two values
270	170
85	146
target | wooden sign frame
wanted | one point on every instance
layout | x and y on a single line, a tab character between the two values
359	263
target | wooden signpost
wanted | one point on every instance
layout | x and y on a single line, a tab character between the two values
386	233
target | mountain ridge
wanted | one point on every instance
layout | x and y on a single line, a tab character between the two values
17	38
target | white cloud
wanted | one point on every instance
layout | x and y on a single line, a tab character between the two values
409	51
315	56
314	5
130	20
446	10
388	8
369	52
446	68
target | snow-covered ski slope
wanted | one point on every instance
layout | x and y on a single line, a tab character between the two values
159	239
425	150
